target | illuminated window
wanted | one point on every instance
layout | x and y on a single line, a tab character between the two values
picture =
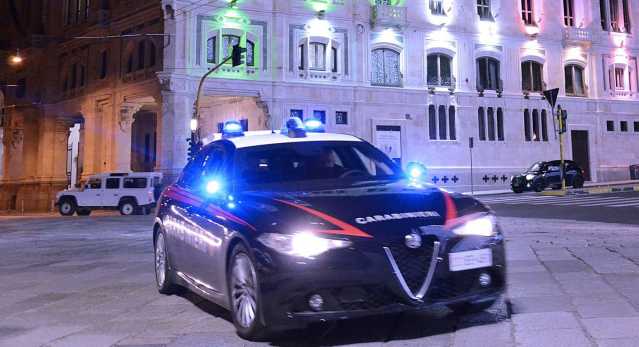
569	10
385	68
250	53
317	56
437	7
527	12
619	78
483	10
574	78
488	73
211	50
438	70
531	76
228	41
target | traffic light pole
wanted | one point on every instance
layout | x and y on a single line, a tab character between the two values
561	148
195	133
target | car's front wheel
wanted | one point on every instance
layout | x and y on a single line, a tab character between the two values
163	273
67	207
244	291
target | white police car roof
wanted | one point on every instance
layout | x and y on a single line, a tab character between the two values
267	137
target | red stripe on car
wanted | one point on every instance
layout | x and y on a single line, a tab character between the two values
451	209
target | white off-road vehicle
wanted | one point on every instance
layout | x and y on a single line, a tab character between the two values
130	193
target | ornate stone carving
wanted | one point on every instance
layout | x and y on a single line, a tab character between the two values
125	118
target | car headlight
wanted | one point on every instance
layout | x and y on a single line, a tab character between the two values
530	177
304	244
481	226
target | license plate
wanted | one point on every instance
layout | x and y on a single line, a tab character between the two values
471	259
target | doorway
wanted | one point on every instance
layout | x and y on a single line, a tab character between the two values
580	151
143	142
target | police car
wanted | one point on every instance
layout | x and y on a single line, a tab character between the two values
288	228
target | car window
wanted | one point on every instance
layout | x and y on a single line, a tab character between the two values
215	163
553	168
134	182
192	172
112	183
94	183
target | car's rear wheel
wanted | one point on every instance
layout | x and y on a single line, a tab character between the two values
67	207
84	211
244	291
539	186
127	207
163	273
578	182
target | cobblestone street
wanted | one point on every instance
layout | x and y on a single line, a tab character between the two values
89	282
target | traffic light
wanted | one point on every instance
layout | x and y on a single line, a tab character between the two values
237	56
194	147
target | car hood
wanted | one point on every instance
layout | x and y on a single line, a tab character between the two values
380	211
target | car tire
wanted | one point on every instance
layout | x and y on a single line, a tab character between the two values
84	211
244	295
67	207
539	186
578	182
163	273
518	190
470	308
127	207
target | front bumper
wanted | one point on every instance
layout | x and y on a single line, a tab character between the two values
364	284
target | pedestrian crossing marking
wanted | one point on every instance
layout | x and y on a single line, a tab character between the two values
572	200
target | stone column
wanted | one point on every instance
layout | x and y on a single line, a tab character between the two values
177	108
122	136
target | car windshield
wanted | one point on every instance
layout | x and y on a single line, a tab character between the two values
338	163
535	167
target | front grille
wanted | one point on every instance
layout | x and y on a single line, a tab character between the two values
414	263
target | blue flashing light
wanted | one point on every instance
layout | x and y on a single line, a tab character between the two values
415	170
314	125
294	127
232	128
213	186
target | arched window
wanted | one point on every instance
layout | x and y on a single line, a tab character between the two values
438	70
451	123
442	123
531	76
432	123
491	124
488	73
317	56
211	50
141	54
385	68
481	124
483	10
527	12
228	41
250	53
104	64
500	124
574	77
527	135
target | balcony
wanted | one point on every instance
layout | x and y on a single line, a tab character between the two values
388	16
577	36
621	93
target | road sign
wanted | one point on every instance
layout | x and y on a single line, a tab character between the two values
551	96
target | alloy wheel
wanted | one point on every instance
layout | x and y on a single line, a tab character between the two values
66	207
160	260
244	290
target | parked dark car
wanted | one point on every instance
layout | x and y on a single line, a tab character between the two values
544	174
285	229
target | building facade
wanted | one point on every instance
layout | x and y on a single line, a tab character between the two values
418	78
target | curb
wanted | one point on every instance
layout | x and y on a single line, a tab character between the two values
594	190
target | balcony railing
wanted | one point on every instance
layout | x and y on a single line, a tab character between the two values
577	36
388	15
622	93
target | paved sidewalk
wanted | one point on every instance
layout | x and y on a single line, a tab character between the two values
89	282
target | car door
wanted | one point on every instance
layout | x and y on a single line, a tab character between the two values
112	191
91	195
207	255
177	220
553	174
